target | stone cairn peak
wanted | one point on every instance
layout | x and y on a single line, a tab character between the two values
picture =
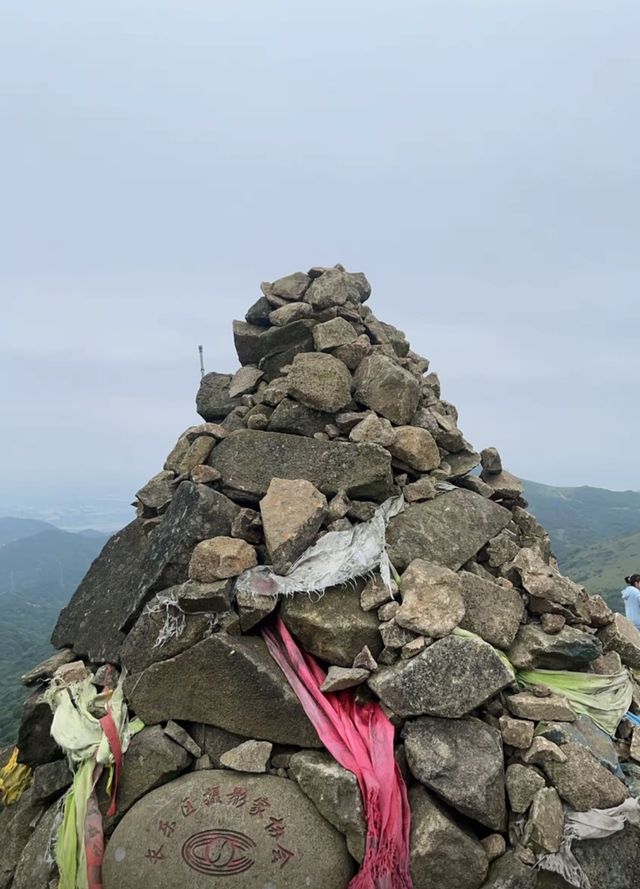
330	414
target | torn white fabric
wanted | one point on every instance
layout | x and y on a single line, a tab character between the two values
592	825
337	558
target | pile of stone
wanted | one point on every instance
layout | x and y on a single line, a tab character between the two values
330	414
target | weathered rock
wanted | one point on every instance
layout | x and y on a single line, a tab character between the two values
375	593
606	664
373	429
509	872
247	336
158	491
250	756
290	313
353	353
48	667
364	660
253	609
298	419
233	684
542	750
213	741
248	461
552	623
131	565
394	636
491	611
198	598
600	615
50	780
491	460
213	401
339	678
416	448
582	782
34	742
247	525
569	649
503	548
219	558
449	530
526	705
204	475
443	856
386	388
182	737
151	760
196	454
544	827
462	761
621	636
585	732
522	782
516	732
423	489
280	345
335	793
334	627
292	511
494	846
432	602
36	868
16	826
449	678
320	382
334	333
245	380
505	485
291	287
235	830
543	581
334	288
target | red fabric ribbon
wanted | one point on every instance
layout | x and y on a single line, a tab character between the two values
361	739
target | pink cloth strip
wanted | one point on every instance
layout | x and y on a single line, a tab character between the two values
361	739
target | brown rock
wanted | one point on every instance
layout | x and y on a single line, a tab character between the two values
320	381
292	514
415	448
432	602
205	475
374	429
386	388
219	558
423	489
621	636
492	611
544	828
339	678
527	705
516	732
332	334
582	782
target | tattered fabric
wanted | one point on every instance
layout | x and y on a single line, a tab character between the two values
361	739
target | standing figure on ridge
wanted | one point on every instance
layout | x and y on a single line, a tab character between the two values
631	598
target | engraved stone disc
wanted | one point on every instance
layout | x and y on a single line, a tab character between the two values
229	830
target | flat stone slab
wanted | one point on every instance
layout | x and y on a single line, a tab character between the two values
448	531
228	830
248	460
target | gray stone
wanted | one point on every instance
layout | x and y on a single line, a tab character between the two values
16	825
239	831
386	388
200	598
233	683
461	463
373	429
220	558
248	461
333	627
449	530
621	636
353	353
247	336
250	756
543	581
503	548
423	489
395	637
516	732
34	742
542	750
245	380
491	611
415	448
365	660
252	609
582	782
462	761
613	862
510	873
339	678
449	678
213	401
375	593
491	460
204	475
334	287
335	793
522	782
247	525
50	780
526	705
320	381
290	313
279	346
292	511
443	856
35	868
334	333
213	741
569	649
585	732
152	759
118	583
158	491
494	846
432	602
298	419
505	485
48	667
291	287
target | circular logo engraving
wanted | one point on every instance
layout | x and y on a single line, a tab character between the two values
219	852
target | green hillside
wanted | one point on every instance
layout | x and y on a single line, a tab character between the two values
38	574
602	567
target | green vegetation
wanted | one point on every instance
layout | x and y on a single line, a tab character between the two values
38	574
602	567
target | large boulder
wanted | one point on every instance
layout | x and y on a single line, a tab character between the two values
582	782
432	602
213	400
449	530
570	649
233	830
624	638
298	419
36	867
492	611
387	388
333	627
449	678
228	681
292	513
16	826
278	346
320	381
462	761
443	855
132	565
249	459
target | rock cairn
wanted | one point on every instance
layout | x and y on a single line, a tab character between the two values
331	413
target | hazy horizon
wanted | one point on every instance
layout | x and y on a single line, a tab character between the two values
479	162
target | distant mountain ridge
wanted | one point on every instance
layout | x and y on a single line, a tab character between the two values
16	529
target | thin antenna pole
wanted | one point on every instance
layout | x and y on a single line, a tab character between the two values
201	361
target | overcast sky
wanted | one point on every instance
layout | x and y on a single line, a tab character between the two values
479	160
